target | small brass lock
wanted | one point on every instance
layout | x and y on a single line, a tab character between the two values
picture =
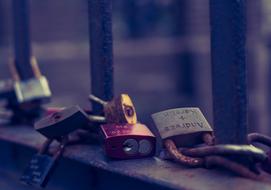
119	110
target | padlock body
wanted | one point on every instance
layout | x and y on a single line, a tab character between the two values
38	170
127	141
183	125
121	110
32	89
62	123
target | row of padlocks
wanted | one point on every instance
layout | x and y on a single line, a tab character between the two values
186	135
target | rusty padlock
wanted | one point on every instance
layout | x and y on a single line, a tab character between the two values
33	89
127	141
119	110
42	165
183	127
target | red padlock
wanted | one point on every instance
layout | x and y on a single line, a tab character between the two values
127	141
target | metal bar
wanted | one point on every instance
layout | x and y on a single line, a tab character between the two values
22	44
228	39
101	50
98	172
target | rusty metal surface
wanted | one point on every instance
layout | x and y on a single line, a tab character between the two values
22	42
228	39
101	50
152	171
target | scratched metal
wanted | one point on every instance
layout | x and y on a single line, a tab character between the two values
22	42
101	50
228	39
157	173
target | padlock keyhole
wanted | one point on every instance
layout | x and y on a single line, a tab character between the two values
56	116
129	111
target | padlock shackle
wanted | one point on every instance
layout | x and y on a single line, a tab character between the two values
97	118
181	158
93	98
45	146
14	73
35	67
208	138
63	142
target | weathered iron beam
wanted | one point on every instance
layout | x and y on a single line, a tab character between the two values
101	50
228	39
99	172
22	42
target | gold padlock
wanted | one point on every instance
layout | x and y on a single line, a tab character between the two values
120	110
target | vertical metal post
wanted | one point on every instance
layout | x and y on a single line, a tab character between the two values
186	78
22	42
101	50
228	39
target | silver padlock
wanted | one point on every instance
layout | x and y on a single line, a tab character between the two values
186	126
33	89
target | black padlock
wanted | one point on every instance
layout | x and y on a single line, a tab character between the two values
62	123
42	165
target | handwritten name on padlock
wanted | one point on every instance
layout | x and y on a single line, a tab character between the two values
180	121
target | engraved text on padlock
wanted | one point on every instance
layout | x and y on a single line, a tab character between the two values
185	122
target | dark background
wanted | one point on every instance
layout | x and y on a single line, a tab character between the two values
161	53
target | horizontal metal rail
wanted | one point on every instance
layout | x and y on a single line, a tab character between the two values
89	167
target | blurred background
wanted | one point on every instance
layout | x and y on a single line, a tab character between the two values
161	53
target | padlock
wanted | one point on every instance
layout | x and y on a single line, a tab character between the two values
33	89
185	126
119	110
25	98
42	165
62	123
127	141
